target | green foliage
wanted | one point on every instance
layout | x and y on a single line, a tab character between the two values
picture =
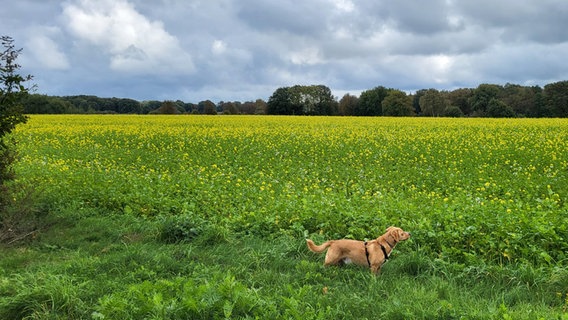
453	112
397	104
371	102
302	100
481	97
219	296
188	227
348	105
433	103
167	107
41	296
12	89
498	109
556	97
38	104
461	98
11	112
179	228
207	107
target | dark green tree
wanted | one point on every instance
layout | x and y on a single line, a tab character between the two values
556	98
522	99
229	107
461	99
260	106
302	100
348	105
371	102
280	102
397	104
499	109
15	223
453	112
484	93
207	107
416	100
433	103
12	90
167	107
43	104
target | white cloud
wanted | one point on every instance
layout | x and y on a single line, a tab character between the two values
134	43
343	5
307	56
45	50
218	47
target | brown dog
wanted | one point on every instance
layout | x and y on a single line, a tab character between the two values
372	253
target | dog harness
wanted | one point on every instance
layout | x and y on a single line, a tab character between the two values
382	248
367	254
385	252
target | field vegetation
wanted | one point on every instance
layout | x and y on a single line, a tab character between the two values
178	217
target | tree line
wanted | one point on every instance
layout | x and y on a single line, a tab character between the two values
44	104
487	100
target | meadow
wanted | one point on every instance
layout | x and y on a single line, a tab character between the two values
172	217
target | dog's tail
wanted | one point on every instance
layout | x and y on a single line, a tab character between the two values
317	249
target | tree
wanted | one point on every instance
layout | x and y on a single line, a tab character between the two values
167	107
15	223
499	109
43	104
229	107
481	97
397	104
460	98
207	107
280	102
12	90
416	100
302	100
453	112
556	98
433	103
522	99
260	106
370	102
348	105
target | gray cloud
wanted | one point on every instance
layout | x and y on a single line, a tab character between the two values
241	50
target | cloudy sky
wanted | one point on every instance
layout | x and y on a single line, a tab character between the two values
229	50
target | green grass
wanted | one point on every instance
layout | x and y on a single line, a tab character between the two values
81	268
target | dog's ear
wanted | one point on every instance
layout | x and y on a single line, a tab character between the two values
394	232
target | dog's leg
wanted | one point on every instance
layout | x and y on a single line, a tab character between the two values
333	257
376	269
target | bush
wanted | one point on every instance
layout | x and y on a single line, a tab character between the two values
11	114
189	227
180	228
219	297
20	218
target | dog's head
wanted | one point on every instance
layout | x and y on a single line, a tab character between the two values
397	234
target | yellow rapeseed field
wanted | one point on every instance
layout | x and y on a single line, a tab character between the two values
469	188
